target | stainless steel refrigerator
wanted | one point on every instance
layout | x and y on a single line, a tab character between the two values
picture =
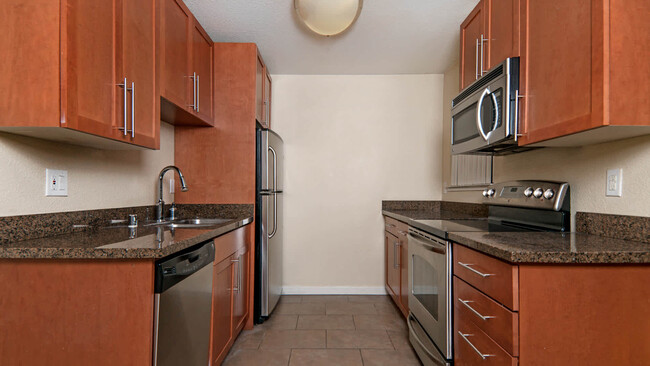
268	227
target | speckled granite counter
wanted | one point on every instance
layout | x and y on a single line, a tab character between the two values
115	243
432	210
545	247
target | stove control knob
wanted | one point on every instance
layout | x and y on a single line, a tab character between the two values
485	193
548	194
538	193
528	192
491	192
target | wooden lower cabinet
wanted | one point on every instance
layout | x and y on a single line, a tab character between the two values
396	262
230	294
566	314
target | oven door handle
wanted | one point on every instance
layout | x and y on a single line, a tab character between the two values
428	244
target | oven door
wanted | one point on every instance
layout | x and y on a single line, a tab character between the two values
430	287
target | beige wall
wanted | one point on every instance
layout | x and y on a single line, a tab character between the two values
351	141
583	167
96	178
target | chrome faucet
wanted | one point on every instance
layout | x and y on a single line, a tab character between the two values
160	206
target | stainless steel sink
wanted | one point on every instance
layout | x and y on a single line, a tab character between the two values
189	223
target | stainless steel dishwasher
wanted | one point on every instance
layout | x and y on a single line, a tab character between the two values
183	304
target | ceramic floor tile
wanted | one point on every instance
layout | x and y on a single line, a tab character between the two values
325	357
369	298
324	298
300	309
294	339
377	339
290	299
380	321
400	340
325	322
387	308
245	357
279	321
350	308
249	339
380	357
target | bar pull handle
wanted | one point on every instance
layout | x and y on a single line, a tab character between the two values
483	317
198	93
126	115
464	336
483	39
132	109
193	105
517	96
467	265
391	225
237	284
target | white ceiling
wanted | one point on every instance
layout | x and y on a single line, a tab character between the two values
390	36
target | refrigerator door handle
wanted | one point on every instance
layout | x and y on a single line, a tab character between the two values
275	166
275	215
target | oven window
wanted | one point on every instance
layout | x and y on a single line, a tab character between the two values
463	125
425	285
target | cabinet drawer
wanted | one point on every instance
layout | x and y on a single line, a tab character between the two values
473	347
395	227
499	323
495	278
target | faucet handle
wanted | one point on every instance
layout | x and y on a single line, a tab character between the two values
133	220
172	211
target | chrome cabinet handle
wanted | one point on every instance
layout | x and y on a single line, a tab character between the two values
517	96
402	232
394	255
126	115
464	336
198	93
132	109
483	39
193	105
466	303
398	256
391	225
237	286
476	74
467	265
240	271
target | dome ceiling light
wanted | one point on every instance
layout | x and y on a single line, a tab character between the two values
328	17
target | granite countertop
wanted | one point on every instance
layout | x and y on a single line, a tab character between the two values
59	236
553	247
408	215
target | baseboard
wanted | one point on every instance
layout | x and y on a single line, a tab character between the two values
333	290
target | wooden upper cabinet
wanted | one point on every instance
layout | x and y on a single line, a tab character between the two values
175	56
266	119
580	67
259	90
202	65
470	38
65	67
186	63
502	31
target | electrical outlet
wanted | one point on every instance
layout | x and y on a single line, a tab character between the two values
614	183
56	183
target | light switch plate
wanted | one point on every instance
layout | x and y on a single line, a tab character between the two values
614	183
56	183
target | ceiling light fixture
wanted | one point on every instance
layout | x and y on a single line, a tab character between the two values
328	17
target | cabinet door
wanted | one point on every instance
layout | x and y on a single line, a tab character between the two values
470	37
137	62
222	309
202	66
240	300
267	101
392	265
89	68
557	69
259	91
176	21
502	29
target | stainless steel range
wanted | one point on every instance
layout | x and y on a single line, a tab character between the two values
513	206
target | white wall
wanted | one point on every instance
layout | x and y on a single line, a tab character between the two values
583	167
96	178
351	141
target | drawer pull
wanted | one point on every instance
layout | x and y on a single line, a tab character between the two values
402	232
466	303
467	265
464	336
390	225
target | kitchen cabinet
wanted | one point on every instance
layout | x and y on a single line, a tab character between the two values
580	68
262	94
546	314
396	262
96	75
266	119
230	295
489	35
186	67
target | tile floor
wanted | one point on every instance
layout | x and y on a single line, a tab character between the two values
327	330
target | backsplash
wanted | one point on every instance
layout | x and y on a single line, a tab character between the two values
614	226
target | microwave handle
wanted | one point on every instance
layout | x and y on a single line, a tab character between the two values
479	124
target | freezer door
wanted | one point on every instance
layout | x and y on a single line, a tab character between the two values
275	157
275	252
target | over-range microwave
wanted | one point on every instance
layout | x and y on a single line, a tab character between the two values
484	116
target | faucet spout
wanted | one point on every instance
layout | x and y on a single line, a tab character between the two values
160	205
